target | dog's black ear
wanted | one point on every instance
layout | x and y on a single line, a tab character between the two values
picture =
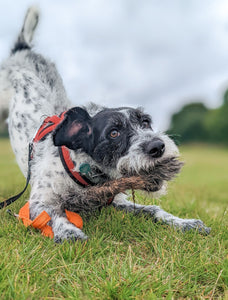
75	130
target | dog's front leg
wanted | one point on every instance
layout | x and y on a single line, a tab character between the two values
43	198
158	214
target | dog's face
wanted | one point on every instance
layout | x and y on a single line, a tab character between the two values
113	131
121	140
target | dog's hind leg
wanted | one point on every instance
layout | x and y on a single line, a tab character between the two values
158	214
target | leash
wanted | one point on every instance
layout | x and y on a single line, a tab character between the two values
49	124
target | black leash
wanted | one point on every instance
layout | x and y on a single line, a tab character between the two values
14	198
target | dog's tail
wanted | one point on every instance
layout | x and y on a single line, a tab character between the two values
26	35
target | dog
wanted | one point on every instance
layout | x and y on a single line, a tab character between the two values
106	141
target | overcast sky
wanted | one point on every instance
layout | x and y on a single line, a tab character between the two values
158	54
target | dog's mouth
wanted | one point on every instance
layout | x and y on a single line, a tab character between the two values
154	176
150	179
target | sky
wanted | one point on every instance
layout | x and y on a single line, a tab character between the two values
158	54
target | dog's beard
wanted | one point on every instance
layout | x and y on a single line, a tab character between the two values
155	175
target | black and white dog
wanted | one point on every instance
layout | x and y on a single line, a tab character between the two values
106	140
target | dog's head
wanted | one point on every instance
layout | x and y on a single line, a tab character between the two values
121	141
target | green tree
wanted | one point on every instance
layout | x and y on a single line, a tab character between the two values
216	123
189	122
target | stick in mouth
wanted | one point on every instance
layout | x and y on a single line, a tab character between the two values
149	180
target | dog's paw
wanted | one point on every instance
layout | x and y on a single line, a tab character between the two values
188	224
67	231
73	234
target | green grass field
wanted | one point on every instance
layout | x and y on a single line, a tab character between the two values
126	257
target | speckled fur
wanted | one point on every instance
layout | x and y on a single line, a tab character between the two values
35	90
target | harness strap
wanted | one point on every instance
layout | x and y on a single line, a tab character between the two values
47	126
69	168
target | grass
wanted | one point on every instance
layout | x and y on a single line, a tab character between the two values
127	257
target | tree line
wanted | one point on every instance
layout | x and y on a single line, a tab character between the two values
197	123
193	123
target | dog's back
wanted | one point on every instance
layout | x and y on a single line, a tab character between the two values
33	87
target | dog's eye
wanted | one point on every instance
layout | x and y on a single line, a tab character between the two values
114	134
145	124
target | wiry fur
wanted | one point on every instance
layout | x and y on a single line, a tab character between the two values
35	90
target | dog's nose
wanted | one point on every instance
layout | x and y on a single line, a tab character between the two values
155	148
